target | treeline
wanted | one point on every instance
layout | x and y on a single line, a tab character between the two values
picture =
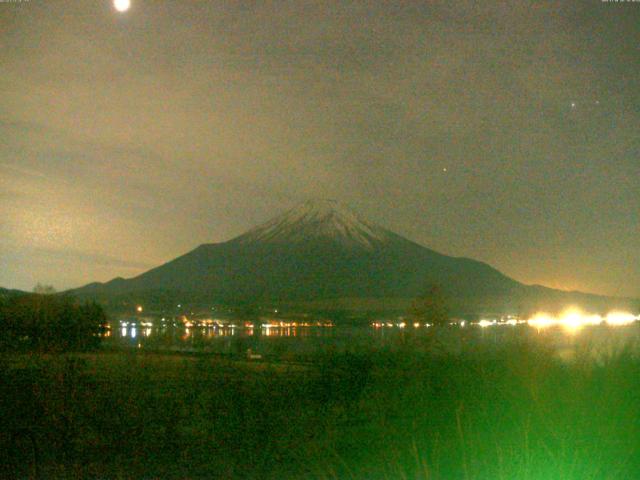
49	323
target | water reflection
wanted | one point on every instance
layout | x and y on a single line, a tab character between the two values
208	331
280	339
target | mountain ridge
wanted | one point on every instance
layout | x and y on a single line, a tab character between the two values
322	251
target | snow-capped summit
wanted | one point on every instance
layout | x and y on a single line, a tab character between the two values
318	219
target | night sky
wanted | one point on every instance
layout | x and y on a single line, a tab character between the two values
508	132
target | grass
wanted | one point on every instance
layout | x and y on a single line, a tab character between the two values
516	412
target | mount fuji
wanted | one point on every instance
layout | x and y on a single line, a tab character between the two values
322	254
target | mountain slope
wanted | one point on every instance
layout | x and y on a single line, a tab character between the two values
320	251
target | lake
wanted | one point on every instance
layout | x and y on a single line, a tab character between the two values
304	341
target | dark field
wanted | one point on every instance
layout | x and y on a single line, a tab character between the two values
516	412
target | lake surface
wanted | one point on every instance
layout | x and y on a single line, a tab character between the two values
301	341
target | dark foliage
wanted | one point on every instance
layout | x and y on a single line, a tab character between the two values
431	307
49	323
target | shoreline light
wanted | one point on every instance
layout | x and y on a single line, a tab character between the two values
620	318
574	319
571	319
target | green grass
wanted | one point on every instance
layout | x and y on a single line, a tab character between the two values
517	412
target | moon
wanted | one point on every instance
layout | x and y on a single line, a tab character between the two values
122	5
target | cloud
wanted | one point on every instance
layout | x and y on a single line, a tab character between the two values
188	122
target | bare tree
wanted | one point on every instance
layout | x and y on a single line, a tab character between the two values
430	307
44	289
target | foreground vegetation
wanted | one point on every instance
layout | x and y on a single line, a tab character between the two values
512	413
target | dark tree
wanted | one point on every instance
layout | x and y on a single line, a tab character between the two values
44	289
50	323
430	308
